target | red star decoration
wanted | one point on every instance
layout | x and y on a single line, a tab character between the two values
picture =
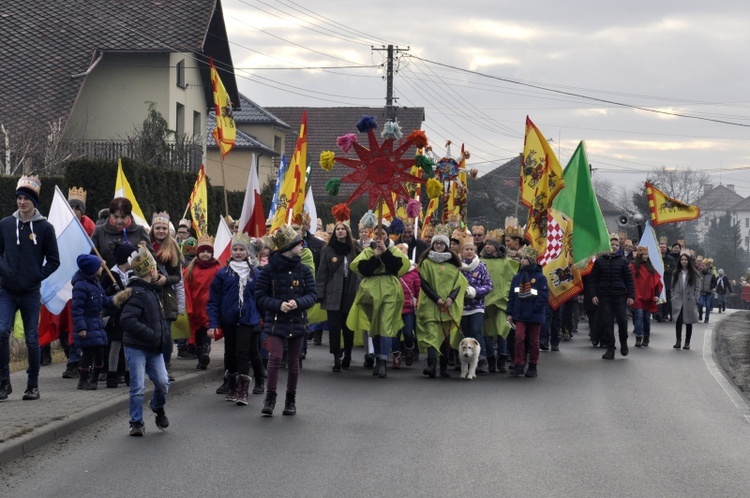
380	171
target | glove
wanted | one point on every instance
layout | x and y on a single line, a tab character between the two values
471	292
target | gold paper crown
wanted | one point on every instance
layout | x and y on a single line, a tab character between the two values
614	236
305	217
622	234
529	252
162	217
662	240
330	226
512	229
641	250
31	183
77	194
242	239
709	261
185	223
496	235
142	262
442	230
478	227
285	237
205	240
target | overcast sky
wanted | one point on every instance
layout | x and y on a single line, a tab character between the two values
480	67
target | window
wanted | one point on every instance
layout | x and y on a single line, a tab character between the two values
747	241
181	74
180	121
747	222
197	130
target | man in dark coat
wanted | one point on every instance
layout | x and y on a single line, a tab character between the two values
613	290
670	263
28	255
311	242
416	246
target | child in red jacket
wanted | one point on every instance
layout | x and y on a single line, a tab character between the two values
648	286
410	283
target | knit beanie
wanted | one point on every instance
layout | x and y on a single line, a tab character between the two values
88	263
122	252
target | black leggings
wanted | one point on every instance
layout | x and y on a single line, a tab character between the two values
337	326
688	329
92	357
237	348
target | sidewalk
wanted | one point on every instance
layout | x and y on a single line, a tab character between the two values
63	409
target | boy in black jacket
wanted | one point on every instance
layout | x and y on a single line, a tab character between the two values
144	333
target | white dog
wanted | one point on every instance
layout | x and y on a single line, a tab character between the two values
468	352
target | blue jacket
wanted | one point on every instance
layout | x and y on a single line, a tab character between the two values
22	262
89	300
224	300
279	281
142	319
529	309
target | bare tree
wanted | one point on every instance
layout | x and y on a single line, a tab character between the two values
686	185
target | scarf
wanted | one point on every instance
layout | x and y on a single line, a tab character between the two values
340	248
524	282
471	265
439	257
242	270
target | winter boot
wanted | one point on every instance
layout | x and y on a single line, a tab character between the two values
409	357
624	347
232	388
688	336
71	370
258	388
243	386
375	367
646	340
638	341
162	422
369	360
318	340
5	389
382	369
531	371
337	361
396	359
443	367
430	367
501	360
290	407
87	379
483	367
517	370
492	363
204	358
347	361
111	379
224	387
609	355
678	344
269	404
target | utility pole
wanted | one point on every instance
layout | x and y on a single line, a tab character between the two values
390	109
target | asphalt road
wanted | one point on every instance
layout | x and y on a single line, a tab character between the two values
660	422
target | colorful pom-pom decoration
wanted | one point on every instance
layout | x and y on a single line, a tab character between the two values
369	220
341	213
397	227
333	186
327	158
426	163
419	138
413	208
392	130
366	124
434	188
346	142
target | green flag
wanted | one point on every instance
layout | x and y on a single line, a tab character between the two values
578	201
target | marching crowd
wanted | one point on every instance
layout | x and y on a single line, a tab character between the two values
399	296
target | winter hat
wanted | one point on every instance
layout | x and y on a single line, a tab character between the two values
721	272
122	252
88	263
205	243
241	239
77	198
286	238
190	247
29	186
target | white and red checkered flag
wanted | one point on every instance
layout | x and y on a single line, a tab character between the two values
555	235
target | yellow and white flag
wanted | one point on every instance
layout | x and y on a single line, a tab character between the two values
122	189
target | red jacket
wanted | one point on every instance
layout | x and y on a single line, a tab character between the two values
197	291
647	285
410	283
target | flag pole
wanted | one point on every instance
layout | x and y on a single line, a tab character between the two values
224	183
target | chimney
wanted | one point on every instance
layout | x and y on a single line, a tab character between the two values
731	187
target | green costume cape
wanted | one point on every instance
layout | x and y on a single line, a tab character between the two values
431	323
501	272
380	298
314	314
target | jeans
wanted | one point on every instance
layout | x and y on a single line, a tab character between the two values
140	364
407	333
706	300
471	326
382	346
28	303
642	322
721	303
550	333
